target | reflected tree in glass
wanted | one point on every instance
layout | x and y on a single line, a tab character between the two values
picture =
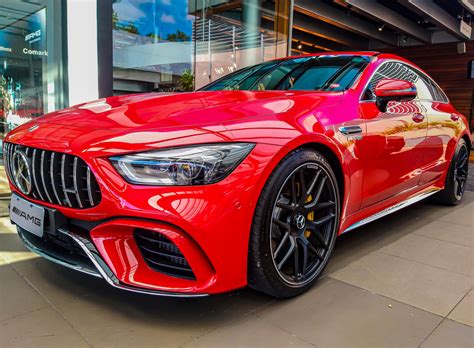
186	81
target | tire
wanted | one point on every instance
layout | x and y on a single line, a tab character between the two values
300	201
456	178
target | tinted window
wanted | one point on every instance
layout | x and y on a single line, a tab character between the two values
273	78
424	87
328	73
314	78
232	81
438	93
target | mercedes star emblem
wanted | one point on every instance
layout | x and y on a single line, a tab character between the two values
300	221
21	172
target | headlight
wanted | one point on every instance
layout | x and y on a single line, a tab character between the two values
192	165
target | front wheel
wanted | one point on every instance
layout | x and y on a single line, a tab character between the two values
295	225
456	178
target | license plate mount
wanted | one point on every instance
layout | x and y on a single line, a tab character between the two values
27	215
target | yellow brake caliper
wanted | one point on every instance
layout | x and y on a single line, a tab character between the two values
310	217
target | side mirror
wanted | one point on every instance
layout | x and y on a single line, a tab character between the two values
387	90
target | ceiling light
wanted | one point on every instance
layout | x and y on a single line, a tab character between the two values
300	46
381	27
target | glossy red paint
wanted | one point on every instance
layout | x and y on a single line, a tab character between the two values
393	159
391	88
114	240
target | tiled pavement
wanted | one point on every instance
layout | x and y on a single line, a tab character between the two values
403	281
470	178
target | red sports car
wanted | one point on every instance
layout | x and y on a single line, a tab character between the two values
247	181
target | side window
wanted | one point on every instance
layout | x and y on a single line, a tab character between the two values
423	86
438	93
399	71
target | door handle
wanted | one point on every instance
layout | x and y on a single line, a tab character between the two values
417	117
348	130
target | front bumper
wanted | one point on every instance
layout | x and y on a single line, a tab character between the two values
209	224
97	267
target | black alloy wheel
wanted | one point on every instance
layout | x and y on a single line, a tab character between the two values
457	176
295	225
461	168
303	218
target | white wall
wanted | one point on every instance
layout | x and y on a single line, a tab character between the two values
82	51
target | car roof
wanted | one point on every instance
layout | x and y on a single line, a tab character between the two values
336	53
378	55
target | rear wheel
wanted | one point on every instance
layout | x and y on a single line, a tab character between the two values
456	178
295	225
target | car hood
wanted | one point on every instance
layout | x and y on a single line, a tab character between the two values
139	122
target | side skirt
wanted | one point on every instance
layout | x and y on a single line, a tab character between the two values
391	209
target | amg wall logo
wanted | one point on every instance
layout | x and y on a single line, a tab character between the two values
33	37
26	216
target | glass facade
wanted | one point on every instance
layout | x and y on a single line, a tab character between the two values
158	45
31	61
181	45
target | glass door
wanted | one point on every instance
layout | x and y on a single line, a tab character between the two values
31	77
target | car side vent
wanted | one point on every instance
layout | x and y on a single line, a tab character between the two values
162	255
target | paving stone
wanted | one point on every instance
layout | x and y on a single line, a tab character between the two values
41	328
426	287
445	255
464	311
336	314
450	335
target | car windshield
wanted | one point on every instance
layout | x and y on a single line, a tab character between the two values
314	73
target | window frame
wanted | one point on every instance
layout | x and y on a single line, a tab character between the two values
417	71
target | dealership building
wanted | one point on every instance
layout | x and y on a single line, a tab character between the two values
58	53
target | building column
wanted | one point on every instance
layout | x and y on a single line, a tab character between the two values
83	73
251	15
105	48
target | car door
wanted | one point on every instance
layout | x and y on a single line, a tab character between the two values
444	126
393	145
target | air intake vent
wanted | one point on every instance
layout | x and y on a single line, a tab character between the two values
162	255
56	178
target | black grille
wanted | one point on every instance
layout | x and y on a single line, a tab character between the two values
58	178
162	255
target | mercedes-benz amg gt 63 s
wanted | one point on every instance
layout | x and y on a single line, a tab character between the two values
245	182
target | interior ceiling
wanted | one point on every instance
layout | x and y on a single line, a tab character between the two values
412	16
453	7
316	32
13	12
380	23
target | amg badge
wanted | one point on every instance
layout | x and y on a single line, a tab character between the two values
33	219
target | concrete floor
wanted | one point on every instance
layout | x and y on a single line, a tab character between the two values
470	177
403	281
